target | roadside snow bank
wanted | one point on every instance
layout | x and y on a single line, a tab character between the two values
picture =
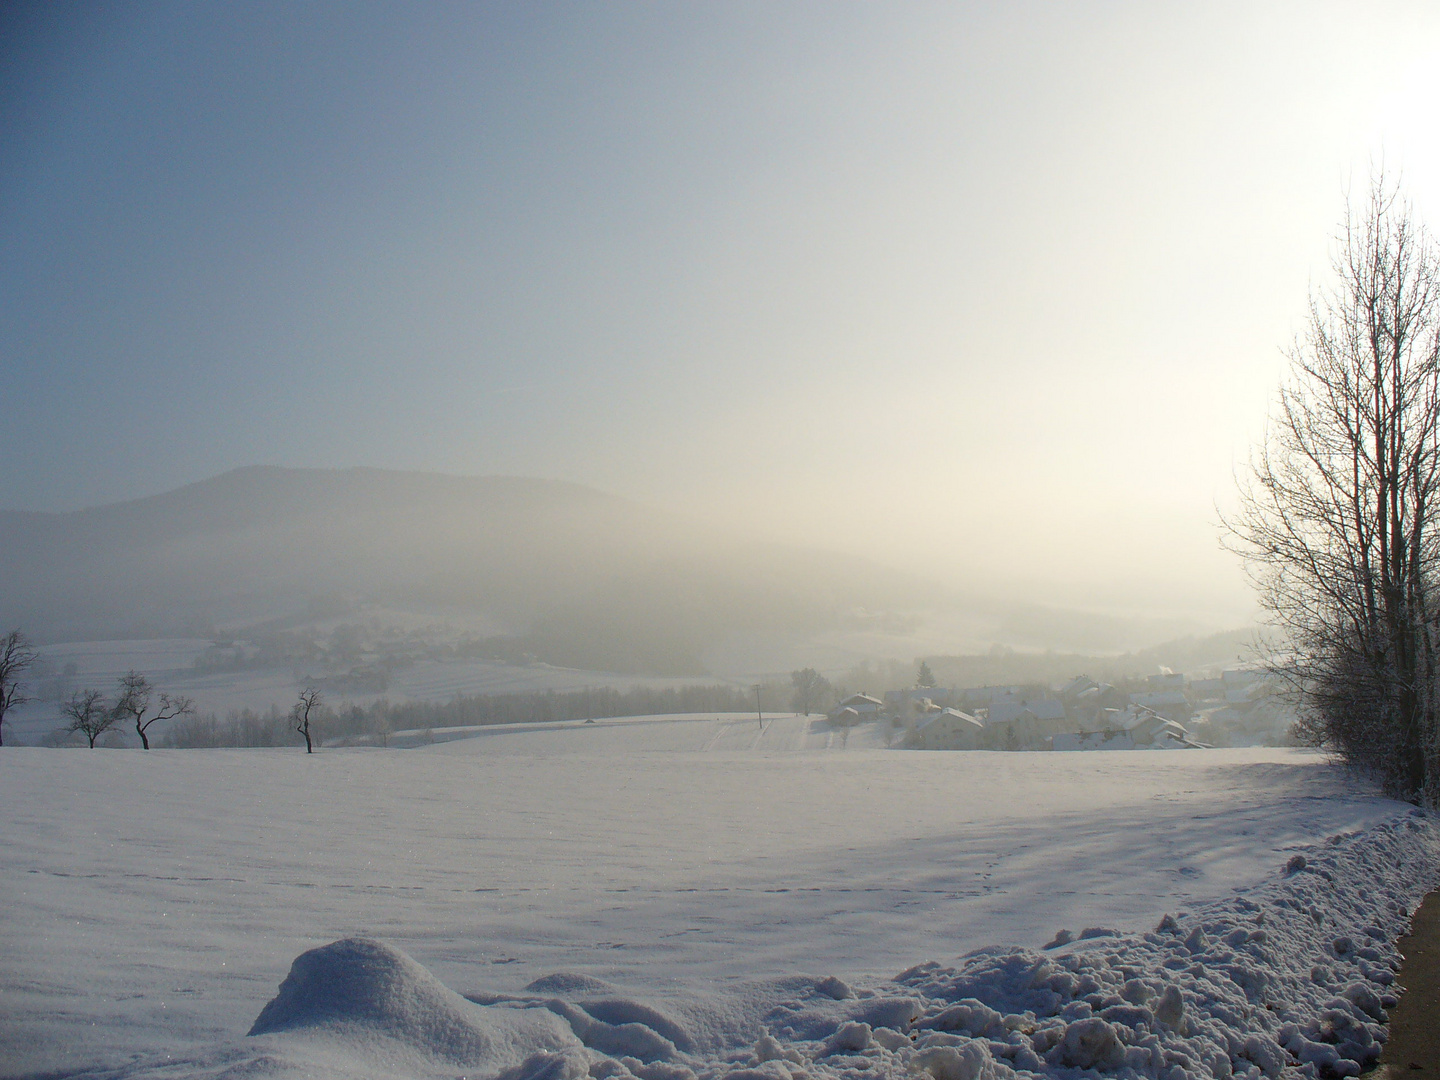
1288	978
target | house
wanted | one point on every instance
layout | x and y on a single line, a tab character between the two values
1150	729
947	729
940	695
923	706
1247	693
855	708
907	704
1093	740
1046	709
1091	703
980	697
1075	687
1171	704
1266	720
1135	729
1023	725
1207	690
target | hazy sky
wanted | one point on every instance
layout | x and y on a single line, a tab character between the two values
994	291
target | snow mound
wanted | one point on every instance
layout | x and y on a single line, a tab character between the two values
571	984
358	980
365	988
630	1030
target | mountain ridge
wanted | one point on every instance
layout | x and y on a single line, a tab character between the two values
585	577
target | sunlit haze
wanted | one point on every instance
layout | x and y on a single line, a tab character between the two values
997	293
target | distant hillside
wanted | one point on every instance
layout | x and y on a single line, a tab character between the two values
578	576
1003	667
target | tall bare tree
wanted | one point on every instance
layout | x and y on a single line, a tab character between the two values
16	655
1337	514
134	704
811	690
300	714
89	714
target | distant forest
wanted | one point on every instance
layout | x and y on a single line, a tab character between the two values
377	721
1003	666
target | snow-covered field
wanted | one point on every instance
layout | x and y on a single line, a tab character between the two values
703	732
671	890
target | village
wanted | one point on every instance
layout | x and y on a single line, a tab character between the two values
1164	711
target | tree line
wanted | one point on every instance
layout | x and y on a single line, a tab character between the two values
136	705
378	720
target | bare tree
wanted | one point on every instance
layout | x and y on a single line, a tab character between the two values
300	717
134	704
89	714
811	690
1336	510
16	655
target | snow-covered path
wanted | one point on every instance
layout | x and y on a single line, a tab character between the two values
153	900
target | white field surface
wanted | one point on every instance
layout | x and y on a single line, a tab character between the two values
700	867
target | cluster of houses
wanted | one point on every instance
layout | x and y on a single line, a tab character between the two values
1164	713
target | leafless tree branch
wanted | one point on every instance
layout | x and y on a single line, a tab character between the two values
1334	517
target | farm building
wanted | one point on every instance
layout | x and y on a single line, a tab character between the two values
948	729
855	708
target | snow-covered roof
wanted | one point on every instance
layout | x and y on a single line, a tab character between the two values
1004	712
992	693
1160	699
950	715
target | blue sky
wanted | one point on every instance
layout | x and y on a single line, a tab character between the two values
992	291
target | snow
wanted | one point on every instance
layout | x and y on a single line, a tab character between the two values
641	898
702	732
360	993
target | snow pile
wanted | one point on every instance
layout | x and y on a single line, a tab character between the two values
364	994
1290	978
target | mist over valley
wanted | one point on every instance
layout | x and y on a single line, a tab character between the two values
504	567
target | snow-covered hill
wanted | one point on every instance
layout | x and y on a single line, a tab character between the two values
154	901
573	575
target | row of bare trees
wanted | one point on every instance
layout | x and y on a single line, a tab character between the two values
91	713
1338	509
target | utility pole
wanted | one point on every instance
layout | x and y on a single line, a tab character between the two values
759	716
